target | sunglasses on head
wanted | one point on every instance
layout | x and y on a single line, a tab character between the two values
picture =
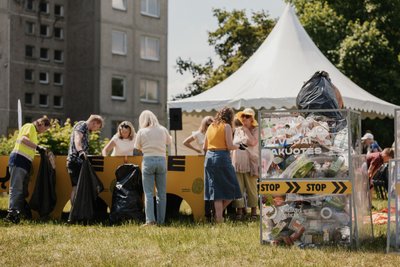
124	125
246	116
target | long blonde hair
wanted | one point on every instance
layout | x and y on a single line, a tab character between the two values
205	122
147	119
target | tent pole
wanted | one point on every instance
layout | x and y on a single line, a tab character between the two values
176	153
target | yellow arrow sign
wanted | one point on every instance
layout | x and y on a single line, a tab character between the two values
305	187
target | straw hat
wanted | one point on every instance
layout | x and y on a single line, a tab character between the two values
250	112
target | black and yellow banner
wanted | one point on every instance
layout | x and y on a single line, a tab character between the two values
305	187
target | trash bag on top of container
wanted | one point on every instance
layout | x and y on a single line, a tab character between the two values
127	197
319	93
85	201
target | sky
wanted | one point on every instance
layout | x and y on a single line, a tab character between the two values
188	24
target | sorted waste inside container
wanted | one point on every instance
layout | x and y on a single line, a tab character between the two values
306	180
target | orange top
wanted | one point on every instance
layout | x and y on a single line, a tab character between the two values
216	136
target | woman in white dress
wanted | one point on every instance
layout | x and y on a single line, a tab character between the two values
199	135
123	142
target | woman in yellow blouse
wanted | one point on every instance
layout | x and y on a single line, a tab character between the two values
220	180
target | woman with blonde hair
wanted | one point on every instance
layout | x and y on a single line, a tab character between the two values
221	185
245	162
152	139
123	142
198	135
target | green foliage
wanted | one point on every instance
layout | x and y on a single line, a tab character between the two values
235	40
360	38
368	59
324	25
7	143
56	139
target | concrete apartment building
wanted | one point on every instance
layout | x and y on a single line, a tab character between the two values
72	58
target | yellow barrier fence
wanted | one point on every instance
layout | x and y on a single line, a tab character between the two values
184	179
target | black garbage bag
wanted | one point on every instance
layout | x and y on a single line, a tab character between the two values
127	197
319	93
88	188
44	196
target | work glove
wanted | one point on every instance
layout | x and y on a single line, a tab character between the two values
40	149
82	155
242	146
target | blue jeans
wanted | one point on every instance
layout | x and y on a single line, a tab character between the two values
18	188
154	169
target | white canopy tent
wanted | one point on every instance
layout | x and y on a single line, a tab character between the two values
272	77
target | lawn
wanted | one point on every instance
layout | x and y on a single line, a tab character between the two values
179	243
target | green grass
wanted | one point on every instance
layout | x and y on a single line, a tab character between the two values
180	243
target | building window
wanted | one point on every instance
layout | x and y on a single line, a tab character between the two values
57	101
149	91
149	48
117	88
29	27
118	42
29	77
44	31
44	7
150	8
119	4
28	99
29	6
58	56
44	54
29	51
58	33
58	78
43	100
59	10
44	77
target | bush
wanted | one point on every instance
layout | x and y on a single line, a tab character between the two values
56	139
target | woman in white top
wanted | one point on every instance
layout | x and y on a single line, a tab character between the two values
123	142
152	139
199	135
245	162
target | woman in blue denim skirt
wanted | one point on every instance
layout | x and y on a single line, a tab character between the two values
152	139
220	182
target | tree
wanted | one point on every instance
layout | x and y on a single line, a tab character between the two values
235	40
56	139
365	46
359	38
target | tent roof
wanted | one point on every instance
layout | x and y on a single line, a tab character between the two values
272	77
